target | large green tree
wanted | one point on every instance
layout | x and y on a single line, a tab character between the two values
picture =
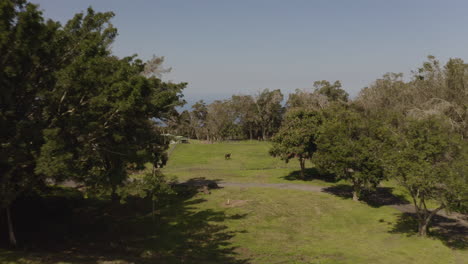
433	89
349	145
199	115
297	136
99	113
269	111
245	109
69	109
221	121
29	56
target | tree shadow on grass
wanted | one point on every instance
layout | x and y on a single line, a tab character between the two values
53	229
451	232
310	175
201	181
380	197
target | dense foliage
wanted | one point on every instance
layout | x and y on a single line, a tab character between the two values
69	109
349	146
297	137
426	159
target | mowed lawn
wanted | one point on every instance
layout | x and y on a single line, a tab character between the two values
250	162
237	225
291	226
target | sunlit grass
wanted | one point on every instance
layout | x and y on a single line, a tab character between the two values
250	162
266	225
289	226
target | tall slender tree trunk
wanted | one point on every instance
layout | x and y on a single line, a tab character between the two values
11	231
153	174
250	132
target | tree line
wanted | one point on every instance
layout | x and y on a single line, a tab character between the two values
414	132
256	117
71	110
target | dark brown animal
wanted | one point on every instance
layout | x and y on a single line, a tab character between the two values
227	156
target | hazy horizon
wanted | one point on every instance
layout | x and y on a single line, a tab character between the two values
229	47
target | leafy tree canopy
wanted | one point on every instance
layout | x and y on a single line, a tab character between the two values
349	144
297	136
430	162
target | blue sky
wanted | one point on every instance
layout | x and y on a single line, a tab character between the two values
227	47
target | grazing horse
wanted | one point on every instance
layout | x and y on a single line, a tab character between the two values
227	156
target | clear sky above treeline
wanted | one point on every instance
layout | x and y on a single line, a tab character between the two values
227	47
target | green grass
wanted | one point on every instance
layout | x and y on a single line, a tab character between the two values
259	225
250	162
366	229
400	191
289	226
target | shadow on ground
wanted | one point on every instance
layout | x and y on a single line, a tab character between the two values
452	233
380	197
200	182
310	175
71	229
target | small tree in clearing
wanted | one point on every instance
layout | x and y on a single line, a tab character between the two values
296	137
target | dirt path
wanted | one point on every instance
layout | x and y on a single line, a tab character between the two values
405	208
289	186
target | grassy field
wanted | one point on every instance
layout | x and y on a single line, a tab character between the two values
289	226
236	225
249	162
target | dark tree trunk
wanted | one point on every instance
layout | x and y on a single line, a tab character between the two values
250	132
11	232
302	162
114	195
152	207
424	219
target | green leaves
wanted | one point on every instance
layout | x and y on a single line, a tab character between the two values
349	146
151	185
423	159
69	108
429	160
297	135
27	45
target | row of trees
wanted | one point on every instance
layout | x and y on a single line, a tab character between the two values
241	117
247	116
414	132
69	109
